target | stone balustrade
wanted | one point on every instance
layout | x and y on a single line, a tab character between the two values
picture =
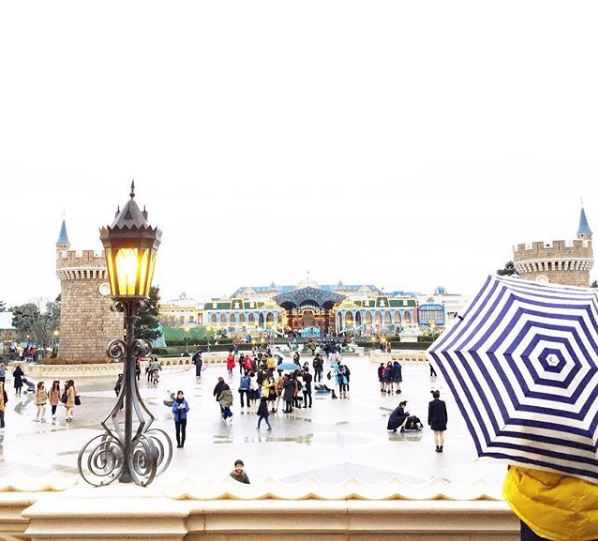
77	371
185	510
401	355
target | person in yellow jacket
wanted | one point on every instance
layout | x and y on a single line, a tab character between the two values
552	506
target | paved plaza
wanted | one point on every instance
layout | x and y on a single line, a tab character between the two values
333	440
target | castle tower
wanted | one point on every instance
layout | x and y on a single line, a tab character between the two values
559	261
86	322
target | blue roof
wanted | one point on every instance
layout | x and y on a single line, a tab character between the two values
63	238
584	227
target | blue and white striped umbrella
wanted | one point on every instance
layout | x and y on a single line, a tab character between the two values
522	365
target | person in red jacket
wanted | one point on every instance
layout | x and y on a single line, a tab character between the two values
230	364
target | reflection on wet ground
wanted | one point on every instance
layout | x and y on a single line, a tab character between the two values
333	440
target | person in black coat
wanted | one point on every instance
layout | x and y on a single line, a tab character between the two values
198	362
288	394
18	380
437	419
398	418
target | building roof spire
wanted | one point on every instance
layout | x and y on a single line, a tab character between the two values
63	238
583	231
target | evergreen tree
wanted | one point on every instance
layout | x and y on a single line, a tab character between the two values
2	306
24	317
147	323
28	320
508	270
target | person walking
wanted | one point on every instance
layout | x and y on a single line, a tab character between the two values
230	364
2	373
217	390
70	397
17	376
180	408
226	401
262	412
54	397
118	385
437	419
198	362
244	389
3	402
41	399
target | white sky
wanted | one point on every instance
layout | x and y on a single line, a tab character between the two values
405	144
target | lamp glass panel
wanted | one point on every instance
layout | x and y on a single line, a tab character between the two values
111	272
126	262
143	272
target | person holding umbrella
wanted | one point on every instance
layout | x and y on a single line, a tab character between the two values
437	419
523	368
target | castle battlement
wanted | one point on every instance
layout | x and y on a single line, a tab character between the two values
555	249
557	261
80	259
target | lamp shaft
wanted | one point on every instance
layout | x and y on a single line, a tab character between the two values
130	385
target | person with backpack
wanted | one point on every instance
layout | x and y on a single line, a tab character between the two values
226	401
244	389
69	398
180	408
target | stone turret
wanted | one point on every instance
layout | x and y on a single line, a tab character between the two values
559	261
86	322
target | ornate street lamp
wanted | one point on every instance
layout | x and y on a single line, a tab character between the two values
129	450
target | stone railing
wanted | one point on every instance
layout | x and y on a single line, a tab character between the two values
61	371
185	510
401	355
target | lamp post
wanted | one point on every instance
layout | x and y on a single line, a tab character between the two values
129	450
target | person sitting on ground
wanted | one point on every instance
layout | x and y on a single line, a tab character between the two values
239	474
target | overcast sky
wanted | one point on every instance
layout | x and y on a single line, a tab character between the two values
404	144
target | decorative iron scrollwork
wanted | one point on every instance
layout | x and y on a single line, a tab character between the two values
129	449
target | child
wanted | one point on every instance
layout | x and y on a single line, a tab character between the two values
263	413
238	474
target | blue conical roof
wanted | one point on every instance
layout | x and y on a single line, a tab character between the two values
584	227
63	238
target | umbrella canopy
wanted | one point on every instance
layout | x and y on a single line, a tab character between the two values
523	368
288	367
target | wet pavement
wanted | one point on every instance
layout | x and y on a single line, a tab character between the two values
333	440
